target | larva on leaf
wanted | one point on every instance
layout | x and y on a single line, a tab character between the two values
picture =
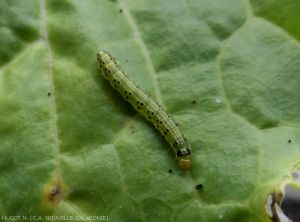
153	112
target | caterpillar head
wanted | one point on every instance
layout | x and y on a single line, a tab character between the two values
184	158
105	58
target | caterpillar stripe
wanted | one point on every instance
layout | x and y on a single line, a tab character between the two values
153	112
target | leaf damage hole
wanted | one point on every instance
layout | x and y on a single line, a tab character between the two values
284	204
55	193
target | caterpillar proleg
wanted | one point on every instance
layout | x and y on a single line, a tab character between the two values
146	106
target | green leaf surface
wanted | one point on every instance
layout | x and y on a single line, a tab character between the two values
227	71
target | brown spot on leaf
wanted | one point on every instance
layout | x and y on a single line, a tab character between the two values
54	192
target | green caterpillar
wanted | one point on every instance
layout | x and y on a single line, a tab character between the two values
153	112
